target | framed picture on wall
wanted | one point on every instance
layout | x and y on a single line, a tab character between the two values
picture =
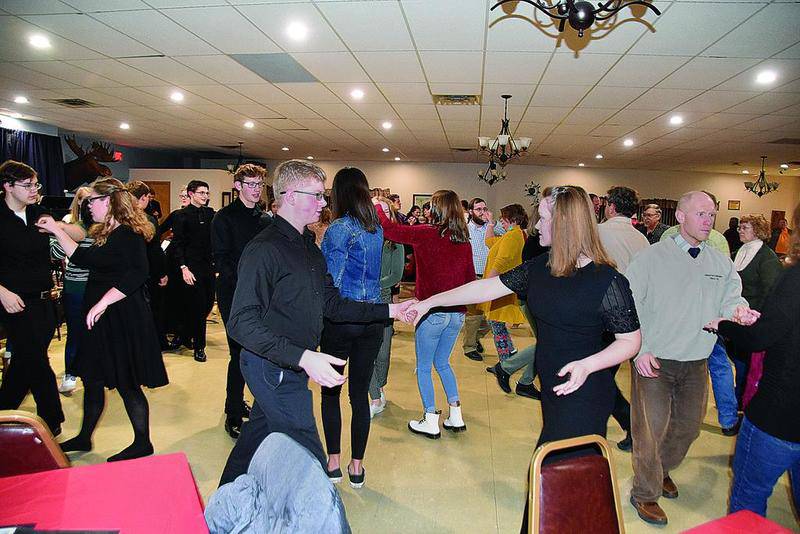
226	198
421	198
734	205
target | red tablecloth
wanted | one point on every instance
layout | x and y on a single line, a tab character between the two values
742	522
147	495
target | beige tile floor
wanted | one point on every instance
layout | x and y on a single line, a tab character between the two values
470	482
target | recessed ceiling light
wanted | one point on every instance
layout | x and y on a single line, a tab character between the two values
676	120
628	142
784	165
357	94
297	31
745	171
766	76
581	165
21	100
384	149
386	125
16	115
285	149
249	124
39	41
309	157
124	126
176	96
397	158
598	156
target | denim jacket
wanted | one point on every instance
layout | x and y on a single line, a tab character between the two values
354	259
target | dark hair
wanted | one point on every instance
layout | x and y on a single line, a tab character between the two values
394	197
411	211
448	215
475	201
192	186
591	195
464	204
138	189
426	206
13	171
625	200
515	213
249	170
350	195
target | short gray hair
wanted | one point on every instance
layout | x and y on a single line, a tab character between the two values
653	207
293	171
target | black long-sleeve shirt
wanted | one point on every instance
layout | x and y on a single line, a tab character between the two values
25	256
156	259
231	230
192	240
282	294
775	408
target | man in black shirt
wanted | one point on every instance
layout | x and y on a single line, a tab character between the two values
283	292
232	228
192	252
27	311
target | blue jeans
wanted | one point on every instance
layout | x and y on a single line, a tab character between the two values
435	337
722	383
758	463
76	327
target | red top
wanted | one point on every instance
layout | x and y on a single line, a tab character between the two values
441	265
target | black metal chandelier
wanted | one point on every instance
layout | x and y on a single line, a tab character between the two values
761	186
232	168
581	15
502	149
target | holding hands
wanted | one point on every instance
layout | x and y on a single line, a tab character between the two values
742	315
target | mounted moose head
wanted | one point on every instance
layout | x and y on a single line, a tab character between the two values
86	168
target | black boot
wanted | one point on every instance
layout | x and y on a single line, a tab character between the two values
502	377
199	355
233	426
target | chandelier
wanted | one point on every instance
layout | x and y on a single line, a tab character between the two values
501	150
581	15
761	186
232	168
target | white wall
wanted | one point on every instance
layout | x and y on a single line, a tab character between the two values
406	179
218	181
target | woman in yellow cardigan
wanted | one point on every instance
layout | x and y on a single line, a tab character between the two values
505	253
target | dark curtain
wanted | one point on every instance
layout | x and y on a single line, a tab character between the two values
42	152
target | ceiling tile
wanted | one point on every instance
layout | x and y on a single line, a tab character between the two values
590	116
713	101
634	117
39	7
135	96
566	69
294	110
91	6
611	97
766	103
663	99
785	69
517	32
515	67
168	69
217	93
459	67
371	93
520	94
265	93
722	120
156	31
406	93
119	72
545	114
43	81
793	52
309	93
332	66
459	113
558	95
767	32
705	73
380	27
334	111
466	23
416	111
221	68
224	28
451	88
70	73
274	20
641	70
374	111
391	66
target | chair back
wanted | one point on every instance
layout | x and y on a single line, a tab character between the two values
576	494
26	445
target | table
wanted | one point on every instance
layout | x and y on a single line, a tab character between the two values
741	522
146	495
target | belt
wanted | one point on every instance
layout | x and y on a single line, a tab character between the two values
40	295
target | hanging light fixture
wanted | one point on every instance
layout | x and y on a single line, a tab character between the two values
580	15
233	168
761	186
502	149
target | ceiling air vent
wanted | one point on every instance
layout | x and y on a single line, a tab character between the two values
786	141
463	149
457	100
228	147
72	102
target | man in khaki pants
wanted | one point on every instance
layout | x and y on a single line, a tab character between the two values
475	324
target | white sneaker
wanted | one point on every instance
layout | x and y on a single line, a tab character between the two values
455	423
68	385
375	408
428	426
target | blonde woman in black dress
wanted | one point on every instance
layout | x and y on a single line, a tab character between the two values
121	349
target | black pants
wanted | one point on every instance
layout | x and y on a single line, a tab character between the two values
156	294
359	345
234	388
199	299
174	305
622	408
29	333
283	404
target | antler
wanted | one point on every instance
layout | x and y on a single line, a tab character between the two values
103	151
74	146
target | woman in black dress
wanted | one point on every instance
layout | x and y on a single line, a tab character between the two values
575	295
121	348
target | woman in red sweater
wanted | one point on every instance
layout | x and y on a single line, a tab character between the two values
443	259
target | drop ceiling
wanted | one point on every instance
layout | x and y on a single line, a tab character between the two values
574	97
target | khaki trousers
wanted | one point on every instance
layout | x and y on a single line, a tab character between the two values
666	413
475	327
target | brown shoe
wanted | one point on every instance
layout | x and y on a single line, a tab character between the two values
650	512
669	489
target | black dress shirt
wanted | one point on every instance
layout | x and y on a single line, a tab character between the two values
168	224
282	294
156	259
25	257
192	239
231	230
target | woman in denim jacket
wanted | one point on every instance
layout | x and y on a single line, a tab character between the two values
352	247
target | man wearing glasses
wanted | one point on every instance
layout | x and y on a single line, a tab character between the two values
232	228
192	252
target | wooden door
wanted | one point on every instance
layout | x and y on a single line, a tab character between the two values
776	217
163	192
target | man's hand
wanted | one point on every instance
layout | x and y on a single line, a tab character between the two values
163	281
399	311
319	368
47	224
12	302
487	216
646	364
744	316
188	277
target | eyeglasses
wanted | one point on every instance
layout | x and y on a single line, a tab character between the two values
35	186
89	200
183	197
318	195
202	193
254	185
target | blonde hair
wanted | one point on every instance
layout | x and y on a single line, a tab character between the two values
574	231
759	224
392	209
121	208
293	171
75	208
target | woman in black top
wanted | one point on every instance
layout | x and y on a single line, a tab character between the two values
121	348
575	295
769	439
